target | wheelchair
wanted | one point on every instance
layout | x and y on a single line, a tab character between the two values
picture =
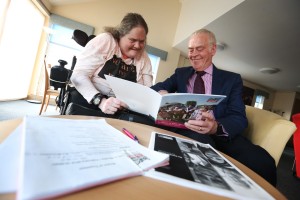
60	76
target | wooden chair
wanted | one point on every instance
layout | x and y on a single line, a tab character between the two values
48	91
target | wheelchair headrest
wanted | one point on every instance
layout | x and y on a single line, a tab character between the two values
81	37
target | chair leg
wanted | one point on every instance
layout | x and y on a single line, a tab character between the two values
56	102
47	102
294	168
44	98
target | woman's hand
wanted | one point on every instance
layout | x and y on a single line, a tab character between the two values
111	105
162	92
205	124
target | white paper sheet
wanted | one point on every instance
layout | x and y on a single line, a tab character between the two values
59	156
136	96
9	159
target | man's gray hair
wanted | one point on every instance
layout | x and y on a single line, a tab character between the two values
211	35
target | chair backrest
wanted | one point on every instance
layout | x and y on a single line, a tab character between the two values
268	130
46	77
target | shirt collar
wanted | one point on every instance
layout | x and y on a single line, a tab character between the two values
209	70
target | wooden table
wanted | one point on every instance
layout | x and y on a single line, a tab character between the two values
139	187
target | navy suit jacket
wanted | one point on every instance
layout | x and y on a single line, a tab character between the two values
231	111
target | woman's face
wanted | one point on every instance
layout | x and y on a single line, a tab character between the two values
133	43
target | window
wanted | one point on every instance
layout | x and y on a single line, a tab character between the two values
154	62
259	101
260	97
61	45
63	36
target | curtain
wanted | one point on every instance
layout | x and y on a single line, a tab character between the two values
22	27
3	11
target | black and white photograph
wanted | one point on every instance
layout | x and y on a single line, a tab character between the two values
202	167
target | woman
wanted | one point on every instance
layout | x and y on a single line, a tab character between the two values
119	52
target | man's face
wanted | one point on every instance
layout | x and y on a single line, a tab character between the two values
200	51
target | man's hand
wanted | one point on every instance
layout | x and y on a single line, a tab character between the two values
204	125
111	105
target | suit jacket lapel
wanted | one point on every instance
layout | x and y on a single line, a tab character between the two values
186	77
216	81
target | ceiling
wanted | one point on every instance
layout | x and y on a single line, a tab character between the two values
257	34
65	2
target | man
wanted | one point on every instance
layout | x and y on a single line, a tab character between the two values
221	128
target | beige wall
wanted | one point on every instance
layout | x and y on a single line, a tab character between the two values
278	102
170	23
283	103
268	103
297	95
161	17
165	19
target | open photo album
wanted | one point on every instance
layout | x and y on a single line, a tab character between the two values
173	109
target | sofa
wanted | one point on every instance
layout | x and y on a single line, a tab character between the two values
268	130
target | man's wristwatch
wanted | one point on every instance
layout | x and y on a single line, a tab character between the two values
96	100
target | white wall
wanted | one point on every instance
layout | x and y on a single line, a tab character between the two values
196	14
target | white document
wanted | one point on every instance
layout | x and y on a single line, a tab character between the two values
199	166
10	150
138	97
62	155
